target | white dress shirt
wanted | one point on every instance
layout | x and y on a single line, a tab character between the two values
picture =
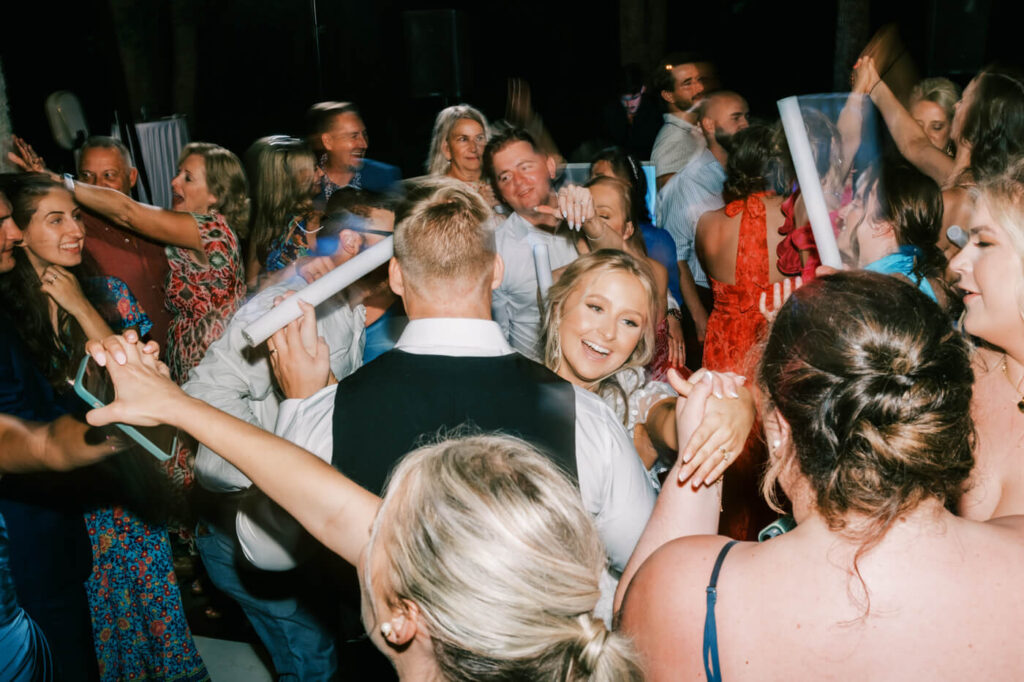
691	193
516	305
238	379
677	143
612	479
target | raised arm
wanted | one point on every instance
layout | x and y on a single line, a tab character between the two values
910	139
176	228
169	227
331	507
681	509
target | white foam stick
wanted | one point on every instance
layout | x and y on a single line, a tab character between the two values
542	264
319	291
810	183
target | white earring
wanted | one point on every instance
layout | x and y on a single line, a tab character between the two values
386	629
776	443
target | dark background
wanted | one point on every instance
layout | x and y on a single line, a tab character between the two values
243	69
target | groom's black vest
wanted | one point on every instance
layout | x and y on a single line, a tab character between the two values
402	400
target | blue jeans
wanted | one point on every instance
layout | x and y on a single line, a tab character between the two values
282	608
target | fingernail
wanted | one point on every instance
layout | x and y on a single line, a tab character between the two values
121	358
733	393
687	456
696	483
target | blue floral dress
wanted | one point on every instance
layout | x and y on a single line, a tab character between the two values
138	622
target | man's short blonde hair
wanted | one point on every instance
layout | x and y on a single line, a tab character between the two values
443	238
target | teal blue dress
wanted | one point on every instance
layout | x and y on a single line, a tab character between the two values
902	263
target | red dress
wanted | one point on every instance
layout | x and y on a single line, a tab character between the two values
734	327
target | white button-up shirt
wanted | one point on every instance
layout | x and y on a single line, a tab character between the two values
516	304
613	482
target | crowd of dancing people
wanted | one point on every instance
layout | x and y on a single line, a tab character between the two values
536	442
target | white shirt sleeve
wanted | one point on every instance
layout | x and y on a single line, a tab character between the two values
613	483
238	380
269	537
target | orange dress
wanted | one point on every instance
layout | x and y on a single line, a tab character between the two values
734	327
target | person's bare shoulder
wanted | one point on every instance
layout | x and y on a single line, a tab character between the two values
664	605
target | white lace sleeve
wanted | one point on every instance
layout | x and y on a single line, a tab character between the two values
640	393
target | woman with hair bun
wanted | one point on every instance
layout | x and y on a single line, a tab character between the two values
733	244
867	390
480	563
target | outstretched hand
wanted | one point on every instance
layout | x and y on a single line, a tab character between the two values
780	294
143	390
713	421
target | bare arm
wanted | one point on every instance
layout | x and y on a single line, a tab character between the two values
688	288
330	506
60	445
911	141
680	509
64	289
176	228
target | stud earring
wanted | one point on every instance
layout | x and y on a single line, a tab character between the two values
776	443
386	629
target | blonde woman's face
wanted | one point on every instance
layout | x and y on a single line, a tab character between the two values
933	121
190	192
465	145
991	279
603	320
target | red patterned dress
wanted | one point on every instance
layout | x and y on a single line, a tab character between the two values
734	327
202	297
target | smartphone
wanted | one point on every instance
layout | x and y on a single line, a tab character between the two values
93	385
782	525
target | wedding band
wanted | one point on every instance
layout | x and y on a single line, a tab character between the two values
273	350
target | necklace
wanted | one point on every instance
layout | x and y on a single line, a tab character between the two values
1016	387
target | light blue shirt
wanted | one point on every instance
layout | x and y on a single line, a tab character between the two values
691	193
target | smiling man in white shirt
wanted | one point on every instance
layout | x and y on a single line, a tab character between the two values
522	174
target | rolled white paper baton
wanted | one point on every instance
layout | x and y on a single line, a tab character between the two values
319	291
810	183
542	265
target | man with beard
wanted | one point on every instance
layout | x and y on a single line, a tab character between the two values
695	189
680	81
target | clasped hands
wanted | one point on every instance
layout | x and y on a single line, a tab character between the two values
713	417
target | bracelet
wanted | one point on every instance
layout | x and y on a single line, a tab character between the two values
69	182
676	313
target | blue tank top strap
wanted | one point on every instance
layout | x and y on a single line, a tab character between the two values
711	669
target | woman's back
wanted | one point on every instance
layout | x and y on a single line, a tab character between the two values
944	604
718	241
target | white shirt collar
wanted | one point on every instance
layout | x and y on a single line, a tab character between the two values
455	336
